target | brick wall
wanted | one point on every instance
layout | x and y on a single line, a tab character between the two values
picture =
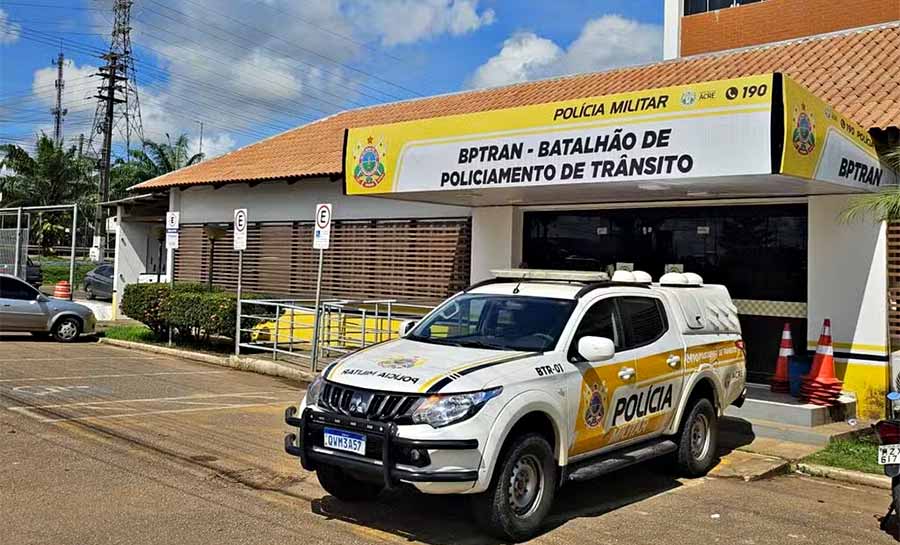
775	20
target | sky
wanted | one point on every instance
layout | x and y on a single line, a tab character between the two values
250	69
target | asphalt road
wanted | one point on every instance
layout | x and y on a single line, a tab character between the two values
105	445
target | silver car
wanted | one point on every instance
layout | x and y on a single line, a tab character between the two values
23	308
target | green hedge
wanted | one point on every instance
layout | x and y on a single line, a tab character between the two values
193	311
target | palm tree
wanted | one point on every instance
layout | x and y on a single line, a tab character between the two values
53	175
156	159
881	206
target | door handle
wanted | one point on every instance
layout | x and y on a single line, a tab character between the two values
673	361
626	373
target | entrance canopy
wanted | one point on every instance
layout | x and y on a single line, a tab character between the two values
748	137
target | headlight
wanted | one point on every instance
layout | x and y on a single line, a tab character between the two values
314	391
443	410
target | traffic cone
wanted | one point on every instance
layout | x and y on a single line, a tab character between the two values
780	382
62	290
821	386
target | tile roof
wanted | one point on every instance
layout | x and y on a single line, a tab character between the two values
858	72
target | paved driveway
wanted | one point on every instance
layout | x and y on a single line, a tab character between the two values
105	445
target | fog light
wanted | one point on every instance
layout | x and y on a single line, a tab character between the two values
415	455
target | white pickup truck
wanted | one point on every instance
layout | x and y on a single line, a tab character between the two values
524	382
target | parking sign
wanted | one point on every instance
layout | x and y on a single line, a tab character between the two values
322	232
240	229
173	220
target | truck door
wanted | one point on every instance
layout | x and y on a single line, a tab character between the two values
600	382
659	352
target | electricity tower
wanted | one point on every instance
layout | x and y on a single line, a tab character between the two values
59	113
118	107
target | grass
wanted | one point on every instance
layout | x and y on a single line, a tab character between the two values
858	454
134	333
56	272
143	334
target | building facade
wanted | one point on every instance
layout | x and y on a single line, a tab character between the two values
772	235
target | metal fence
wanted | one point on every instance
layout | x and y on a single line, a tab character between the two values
10	241
286	326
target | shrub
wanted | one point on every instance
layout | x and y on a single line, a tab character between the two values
148	304
201	314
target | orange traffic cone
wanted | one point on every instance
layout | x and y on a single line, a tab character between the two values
62	290
780	382
821	386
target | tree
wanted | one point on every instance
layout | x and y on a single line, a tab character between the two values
881	206
51	176
154	159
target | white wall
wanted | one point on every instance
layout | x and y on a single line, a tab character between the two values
277	201
847	276
496	240
672	29
132	242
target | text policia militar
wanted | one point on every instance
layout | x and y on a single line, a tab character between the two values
617	141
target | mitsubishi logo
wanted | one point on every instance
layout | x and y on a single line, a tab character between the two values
359	403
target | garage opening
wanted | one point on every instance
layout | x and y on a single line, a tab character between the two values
758	251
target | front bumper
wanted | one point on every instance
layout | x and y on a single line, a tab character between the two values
381	464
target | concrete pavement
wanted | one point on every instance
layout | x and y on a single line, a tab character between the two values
106	445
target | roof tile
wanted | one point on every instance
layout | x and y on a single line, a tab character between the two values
858	72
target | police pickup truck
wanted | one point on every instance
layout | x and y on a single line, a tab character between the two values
524	382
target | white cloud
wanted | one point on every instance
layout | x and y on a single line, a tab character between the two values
408	21
212	147
9	32
606	42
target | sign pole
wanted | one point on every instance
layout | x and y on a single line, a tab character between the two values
173	223
315	337
321	242
240	244
237	333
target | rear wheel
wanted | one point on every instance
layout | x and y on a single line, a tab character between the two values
90	291
66	329
521	492
698	439
344	487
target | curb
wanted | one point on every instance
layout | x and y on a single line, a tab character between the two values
252	365
845	475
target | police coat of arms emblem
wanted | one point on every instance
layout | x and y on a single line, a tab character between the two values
596	400
804	135
401	362
369	169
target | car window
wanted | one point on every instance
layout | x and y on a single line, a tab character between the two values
105	270
601	320
644	319
11	288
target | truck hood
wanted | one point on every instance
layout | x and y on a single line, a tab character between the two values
407	366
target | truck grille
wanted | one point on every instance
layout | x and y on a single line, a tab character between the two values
378	406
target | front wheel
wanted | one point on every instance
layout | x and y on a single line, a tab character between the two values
521	491
66	329
344	487
698	440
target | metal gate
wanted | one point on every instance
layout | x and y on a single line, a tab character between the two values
14	238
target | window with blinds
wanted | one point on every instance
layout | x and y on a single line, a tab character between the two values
410	260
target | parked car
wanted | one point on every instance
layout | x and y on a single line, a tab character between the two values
24	308
99	282
33	273
525	382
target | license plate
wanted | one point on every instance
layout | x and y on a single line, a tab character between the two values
345	440
889	454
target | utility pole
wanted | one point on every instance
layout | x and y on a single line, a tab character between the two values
107	96
59	113
201	138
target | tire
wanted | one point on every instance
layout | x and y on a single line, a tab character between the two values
346	488
895	501
66	329
90	292
511	509
698	439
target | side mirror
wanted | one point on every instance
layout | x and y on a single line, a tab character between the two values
596	348
406	326
41	298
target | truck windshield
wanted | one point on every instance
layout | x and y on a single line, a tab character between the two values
499	322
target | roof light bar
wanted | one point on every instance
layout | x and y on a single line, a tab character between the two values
547	274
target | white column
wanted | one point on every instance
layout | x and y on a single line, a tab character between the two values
672	29
496	240
117	267
847	282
